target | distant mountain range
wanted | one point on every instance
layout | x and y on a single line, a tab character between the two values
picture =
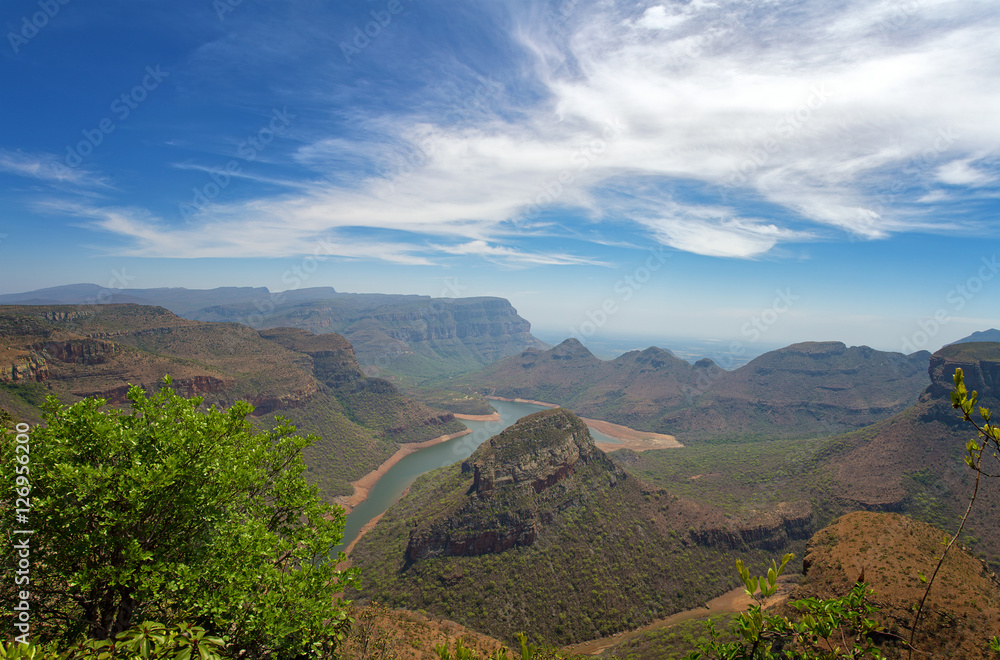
990	335
807	389
414	336
314	380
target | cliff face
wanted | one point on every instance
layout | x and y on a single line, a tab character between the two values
414	335
403	333
505	506
980	365
24	369
544	450
772	531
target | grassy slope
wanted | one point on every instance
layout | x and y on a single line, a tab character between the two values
614	557
963	610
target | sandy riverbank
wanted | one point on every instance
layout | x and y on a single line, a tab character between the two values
631	438
495	417
364	485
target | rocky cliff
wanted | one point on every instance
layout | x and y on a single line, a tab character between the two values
914	463
413	335
980	364
509	473
102	350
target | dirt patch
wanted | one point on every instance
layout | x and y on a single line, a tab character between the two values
631	438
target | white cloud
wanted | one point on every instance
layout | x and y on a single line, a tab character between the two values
510	255
48	168
657	18
962	173
815	112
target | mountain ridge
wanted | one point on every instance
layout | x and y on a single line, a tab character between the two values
314	380
417	337
805	389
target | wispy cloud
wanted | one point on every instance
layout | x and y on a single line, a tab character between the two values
511	256
49	169
813	110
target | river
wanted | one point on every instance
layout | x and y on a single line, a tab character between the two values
398	478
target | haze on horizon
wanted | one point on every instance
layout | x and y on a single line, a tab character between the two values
759	172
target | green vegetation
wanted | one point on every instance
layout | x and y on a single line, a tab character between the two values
377	404
736	477
171	514
675	641
148	640
846	627
452	401
590	554
343	451
826	629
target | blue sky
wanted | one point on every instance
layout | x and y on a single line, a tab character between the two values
765	172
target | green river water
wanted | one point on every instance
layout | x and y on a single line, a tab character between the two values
392	484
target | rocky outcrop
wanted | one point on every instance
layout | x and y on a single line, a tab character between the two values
770	531
270	402
510	530
25	369
78	351
334	362
513	492
520	458
980	364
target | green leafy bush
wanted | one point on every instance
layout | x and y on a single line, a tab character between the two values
170	513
